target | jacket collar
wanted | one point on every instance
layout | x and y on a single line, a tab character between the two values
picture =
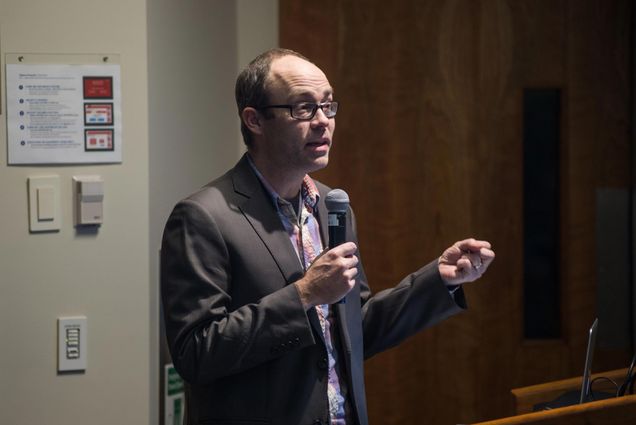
257	207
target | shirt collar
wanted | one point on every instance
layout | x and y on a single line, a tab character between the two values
308	190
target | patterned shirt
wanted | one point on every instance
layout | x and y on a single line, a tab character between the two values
304	234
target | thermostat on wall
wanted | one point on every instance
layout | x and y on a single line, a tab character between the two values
89	199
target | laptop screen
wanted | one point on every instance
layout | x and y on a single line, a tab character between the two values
589	358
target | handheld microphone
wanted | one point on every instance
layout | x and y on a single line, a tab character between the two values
337	202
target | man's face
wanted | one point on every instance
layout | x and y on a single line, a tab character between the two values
298	146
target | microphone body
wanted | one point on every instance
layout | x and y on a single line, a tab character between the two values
337	202
337	228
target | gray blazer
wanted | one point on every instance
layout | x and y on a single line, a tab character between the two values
236	328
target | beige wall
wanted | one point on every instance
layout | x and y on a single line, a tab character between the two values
195	51
103	276
178	63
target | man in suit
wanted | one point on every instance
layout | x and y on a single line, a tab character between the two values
251	308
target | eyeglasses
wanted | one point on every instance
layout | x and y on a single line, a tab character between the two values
307	110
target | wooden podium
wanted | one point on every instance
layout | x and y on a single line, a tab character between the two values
613	411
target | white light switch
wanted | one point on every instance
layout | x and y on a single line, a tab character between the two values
44	203
71	336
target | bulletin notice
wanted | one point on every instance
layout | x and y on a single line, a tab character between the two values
63	113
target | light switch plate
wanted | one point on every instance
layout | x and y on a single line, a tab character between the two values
72	343
44	203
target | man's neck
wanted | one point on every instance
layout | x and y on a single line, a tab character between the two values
285	182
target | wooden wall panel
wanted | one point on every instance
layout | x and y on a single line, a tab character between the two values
429	147
598	145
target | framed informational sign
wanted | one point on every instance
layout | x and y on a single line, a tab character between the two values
174	398
63	109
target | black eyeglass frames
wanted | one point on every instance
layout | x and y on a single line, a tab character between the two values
307	110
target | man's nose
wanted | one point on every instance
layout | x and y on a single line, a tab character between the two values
320	118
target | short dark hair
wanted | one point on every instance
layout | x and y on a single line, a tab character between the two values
251	84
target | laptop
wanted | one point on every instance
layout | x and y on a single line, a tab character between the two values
589	358
585	394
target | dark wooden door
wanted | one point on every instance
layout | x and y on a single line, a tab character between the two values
429	146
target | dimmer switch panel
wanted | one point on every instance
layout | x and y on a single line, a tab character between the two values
71	344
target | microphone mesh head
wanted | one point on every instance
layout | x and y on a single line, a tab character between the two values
337	201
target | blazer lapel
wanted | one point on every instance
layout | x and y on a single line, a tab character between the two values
258	210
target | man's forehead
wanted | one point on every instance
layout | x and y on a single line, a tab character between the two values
297	77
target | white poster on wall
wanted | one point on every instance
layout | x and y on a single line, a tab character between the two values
63	113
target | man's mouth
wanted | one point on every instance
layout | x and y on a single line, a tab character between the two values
321	142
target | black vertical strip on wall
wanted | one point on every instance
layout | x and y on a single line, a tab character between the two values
541	140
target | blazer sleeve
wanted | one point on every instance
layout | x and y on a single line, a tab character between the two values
206	339
420	300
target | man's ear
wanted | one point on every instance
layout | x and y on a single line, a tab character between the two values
253	120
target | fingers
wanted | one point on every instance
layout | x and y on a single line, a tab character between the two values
474	259
330	277
478	252
472	244
342	255
351	275
487	255
346	249
467	270
465	261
